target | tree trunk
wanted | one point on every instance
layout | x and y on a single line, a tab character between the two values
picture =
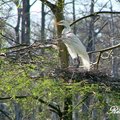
25	38
43	25
18	111
57	10
17	26
63	53
67	108
90	47
114	59
74	18
75	98
64	59
91	37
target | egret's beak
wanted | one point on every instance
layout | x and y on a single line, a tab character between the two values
58	23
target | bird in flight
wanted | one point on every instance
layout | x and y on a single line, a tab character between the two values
74	45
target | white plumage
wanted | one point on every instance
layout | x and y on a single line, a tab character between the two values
74	45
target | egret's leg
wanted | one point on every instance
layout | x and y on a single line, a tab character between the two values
77	62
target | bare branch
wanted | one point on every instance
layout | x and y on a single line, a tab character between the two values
106	49
5	2
54	108
101	28
98	59
3	112
33	3
49	4
103	50
95	14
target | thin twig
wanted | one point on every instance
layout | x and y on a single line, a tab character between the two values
3	112
98	59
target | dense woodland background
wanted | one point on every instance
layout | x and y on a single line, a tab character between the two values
36	82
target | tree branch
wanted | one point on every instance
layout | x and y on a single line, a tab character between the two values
104	24
33	3
103	50
49	4
54	108
106	49
3	112
94	14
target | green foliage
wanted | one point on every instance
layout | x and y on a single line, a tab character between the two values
33	79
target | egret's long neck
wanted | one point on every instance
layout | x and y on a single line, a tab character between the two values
67	29
67	26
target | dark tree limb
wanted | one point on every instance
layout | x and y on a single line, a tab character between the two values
4	113
94	14
98	59
102	51
104	24
33	3
50	5
106	49
54	108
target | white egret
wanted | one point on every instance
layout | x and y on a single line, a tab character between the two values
74	45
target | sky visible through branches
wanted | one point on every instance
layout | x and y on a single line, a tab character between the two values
80	6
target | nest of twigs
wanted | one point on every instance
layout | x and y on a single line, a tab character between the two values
92	77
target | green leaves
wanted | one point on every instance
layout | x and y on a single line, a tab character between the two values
33	79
